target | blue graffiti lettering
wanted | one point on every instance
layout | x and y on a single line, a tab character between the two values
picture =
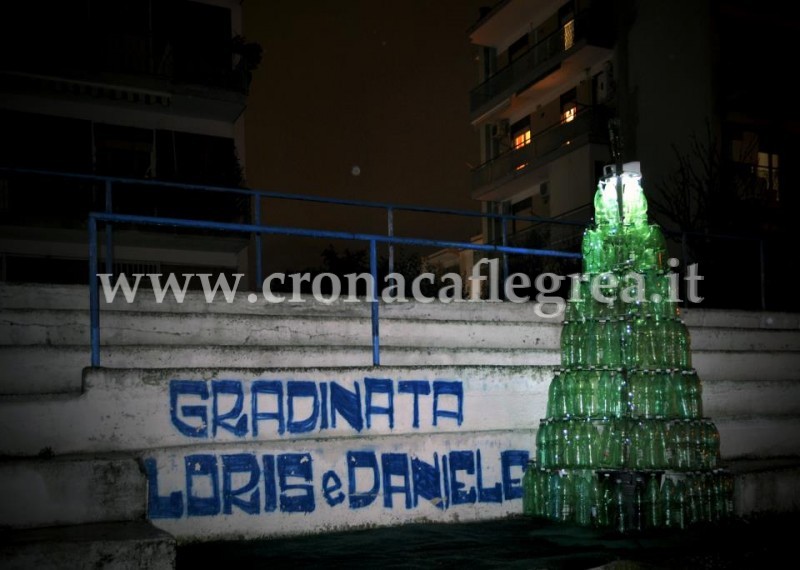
197	388
237	464
362	460
395	465
229	388
215	408
169	507
296	466
427	479
287	481
492	494
512	487
267	387
374	386
347	404
294	390
331	488
201	467
417	388
446	388
231	484
461	461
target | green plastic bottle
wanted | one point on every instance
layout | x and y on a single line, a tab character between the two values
652	515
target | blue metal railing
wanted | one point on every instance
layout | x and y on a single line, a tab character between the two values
371	239
260	195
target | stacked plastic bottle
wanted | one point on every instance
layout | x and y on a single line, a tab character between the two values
624	443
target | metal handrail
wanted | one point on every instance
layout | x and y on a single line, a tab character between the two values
258	195
372	239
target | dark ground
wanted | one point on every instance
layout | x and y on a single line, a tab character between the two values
758	542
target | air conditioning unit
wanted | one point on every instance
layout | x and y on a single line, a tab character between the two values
605	81
500	130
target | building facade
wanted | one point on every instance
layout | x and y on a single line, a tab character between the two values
541	110
141	89
697	89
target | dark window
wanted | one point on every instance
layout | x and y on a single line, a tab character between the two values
203	45
518	48
522	208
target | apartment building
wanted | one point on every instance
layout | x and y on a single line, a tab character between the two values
541	108
142	89
685	78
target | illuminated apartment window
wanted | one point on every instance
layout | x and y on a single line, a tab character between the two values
757	168
767	172
569	34
522	139
569	113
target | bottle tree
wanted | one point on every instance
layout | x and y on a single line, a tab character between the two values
624	443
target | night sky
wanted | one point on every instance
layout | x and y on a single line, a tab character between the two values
382	86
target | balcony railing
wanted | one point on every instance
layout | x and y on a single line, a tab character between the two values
541	58
591	121
136	54
752	182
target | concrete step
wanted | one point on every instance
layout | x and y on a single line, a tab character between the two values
130	409
76	297
27	327
754	398
55	492
125	410
766	485
134	545
452	328
58	369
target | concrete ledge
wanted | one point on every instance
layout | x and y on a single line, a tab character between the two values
766	485
76	297
131	409
61	492
118	546
57	369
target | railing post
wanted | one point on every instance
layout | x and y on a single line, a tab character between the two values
684	254
504	236
390	233
94	301
762	262
373	269
259	261
109	259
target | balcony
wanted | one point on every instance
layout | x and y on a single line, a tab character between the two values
178	58
570	49
590	125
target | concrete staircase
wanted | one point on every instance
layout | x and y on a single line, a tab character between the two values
83	450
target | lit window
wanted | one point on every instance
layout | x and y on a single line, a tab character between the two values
569	114
521	166
757	168
767	171
569	34
522	139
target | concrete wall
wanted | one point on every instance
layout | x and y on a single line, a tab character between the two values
242	446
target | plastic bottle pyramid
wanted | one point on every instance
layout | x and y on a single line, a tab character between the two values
624	443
